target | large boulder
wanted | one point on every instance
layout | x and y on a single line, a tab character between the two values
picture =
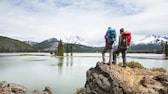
112	79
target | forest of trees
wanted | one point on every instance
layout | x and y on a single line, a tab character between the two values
12	45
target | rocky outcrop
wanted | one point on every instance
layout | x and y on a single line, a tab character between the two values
106	79
12	88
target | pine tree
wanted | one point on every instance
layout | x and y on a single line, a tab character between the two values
71	49
166	49
60	49
67	49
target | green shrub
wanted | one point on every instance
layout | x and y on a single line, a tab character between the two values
159	69
25	54
120	64
133	64
51	53
77	90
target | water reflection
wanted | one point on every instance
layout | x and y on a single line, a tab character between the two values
64	64
61	72
165	65
60	64
69	62
3	66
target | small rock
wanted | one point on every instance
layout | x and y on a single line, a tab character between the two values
35	92
47	90
3	84
162	78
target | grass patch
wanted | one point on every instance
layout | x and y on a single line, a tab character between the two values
159	69
133	64
31	55
25	54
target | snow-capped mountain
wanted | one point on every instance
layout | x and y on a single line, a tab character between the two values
76	40
152	39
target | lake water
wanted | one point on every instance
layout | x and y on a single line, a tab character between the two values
63	75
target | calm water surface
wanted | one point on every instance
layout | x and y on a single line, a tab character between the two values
63	75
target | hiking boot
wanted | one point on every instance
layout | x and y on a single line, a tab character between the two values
103	62
124	66
114	63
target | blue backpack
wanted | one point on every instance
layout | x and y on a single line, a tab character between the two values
111	35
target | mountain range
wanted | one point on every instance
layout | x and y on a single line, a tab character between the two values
77	40
151	39
149	43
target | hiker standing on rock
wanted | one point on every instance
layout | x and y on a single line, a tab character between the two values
110	38
123	45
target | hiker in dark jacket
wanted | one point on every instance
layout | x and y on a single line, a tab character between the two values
109	41
122	47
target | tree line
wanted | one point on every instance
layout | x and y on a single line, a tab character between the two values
60	49
69	49
165	48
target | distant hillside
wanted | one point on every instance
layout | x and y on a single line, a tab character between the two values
146	48
12	45
47	45
32	43
83	48
52	44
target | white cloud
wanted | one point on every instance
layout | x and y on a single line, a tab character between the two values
37	20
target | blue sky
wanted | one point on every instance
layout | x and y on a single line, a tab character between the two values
37	20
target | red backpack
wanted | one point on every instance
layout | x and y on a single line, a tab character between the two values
126	38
